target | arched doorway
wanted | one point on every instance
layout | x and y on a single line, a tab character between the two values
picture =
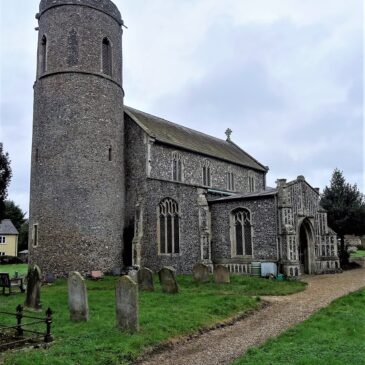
306	245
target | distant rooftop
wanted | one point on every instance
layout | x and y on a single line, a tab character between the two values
7	227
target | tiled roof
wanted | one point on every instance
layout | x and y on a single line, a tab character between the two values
189	139
257	194
7	227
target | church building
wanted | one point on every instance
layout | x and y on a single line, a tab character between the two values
114	187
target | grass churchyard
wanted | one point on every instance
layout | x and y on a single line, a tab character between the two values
162	316
335	335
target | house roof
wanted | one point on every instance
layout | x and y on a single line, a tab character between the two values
174	134
7	227
257	194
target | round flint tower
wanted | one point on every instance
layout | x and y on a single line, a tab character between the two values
77	178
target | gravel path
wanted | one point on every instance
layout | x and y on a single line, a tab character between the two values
223	345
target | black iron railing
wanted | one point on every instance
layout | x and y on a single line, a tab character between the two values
14	336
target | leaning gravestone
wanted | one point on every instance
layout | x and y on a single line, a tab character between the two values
34	282
145	279
201	273
168	280
221	275
126	294
77	297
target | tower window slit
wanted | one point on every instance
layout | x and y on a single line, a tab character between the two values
106	57
43	54
110	154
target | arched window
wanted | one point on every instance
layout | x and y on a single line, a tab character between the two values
177	167
43	54
206	174
106	57
73	48
168	224
242	232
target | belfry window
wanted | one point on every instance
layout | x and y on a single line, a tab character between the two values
230	181
206	174
241	232
73	48
168	227
106	57
177	167
43	54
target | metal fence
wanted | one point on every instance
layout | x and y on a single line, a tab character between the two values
16	335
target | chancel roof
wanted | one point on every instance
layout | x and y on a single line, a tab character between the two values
189	139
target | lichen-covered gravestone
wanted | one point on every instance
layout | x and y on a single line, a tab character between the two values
77	297
168	280
221	275
126	294
201	273
34	282
145	279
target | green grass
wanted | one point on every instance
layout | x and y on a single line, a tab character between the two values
358	253
335	335
11	269
162	316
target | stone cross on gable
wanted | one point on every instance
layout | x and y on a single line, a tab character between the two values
228	134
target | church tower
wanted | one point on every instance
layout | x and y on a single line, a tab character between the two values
77	172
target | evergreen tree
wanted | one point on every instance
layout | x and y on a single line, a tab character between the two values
14	213
5	177
345	206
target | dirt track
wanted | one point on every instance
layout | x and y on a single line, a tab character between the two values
223	345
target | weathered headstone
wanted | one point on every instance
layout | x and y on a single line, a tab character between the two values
133	274
49	278
168	280
221	275
77	297
201	273
145	279
126	294
34	282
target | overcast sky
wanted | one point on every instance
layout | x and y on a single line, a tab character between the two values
285	75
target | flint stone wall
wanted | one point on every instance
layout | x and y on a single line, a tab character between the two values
263	217
161	163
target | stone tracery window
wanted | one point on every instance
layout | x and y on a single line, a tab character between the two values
242	232
177	167
206	174
168	227
106	57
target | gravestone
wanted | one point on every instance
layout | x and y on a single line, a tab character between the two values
221	275
77	297
201	273
49	278
126	294
34	282
168	280
145	279
133	274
